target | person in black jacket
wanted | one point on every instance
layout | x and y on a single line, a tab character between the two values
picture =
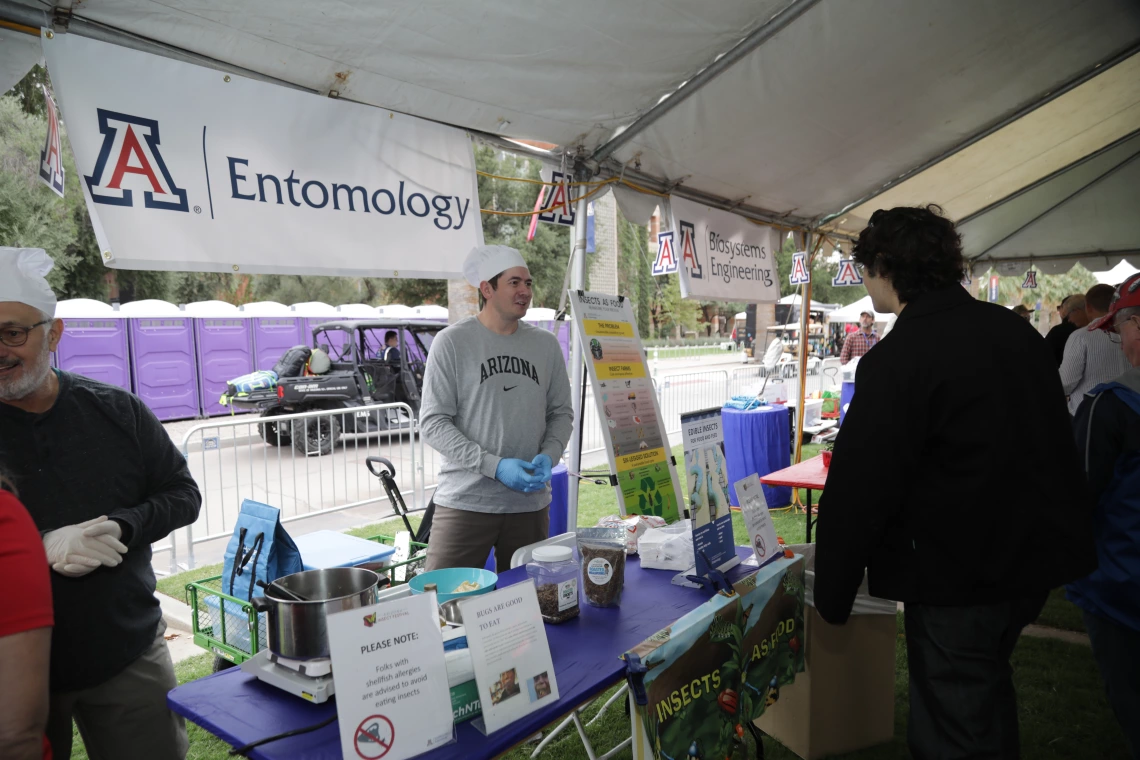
926	492
102	481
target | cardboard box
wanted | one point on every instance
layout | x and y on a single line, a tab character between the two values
845	700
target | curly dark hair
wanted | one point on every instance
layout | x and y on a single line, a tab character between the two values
916	248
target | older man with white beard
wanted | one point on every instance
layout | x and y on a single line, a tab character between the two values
102	481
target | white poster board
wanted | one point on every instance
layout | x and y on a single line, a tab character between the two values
757	520
186	168
511	656
636	442
723	256
392	696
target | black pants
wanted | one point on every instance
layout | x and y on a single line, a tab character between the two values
962	701
1117	652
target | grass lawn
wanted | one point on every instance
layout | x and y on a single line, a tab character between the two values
1061	704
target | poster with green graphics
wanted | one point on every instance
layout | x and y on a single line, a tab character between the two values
720	666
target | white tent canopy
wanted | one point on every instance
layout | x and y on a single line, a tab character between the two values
852	311
1117	274
960	103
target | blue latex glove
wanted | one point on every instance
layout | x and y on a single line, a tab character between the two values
518	475
542	467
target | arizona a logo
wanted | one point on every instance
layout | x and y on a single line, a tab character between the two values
130	147
666	261
800	274
689	250
1030	279
51	157
847	275
561	208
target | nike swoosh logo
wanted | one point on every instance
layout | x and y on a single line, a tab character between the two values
505	388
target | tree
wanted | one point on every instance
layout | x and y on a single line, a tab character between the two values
28	94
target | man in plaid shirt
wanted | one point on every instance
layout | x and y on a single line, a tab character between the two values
861	341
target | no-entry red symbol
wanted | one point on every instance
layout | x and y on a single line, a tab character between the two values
374	737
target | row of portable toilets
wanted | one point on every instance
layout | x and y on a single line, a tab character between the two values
179	359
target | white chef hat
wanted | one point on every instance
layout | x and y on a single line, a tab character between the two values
486	261
22	272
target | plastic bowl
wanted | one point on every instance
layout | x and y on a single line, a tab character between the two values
453	577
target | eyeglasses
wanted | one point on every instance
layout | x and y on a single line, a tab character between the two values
14	336
1118	323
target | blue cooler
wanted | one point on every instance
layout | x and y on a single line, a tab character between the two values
328	548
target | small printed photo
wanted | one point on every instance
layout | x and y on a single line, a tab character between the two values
538	687
506	687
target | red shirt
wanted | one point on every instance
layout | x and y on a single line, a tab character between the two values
25	593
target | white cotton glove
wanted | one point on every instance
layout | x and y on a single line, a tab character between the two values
73	552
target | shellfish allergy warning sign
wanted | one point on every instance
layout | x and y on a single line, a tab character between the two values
719	667
636	442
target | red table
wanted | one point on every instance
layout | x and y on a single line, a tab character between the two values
809	474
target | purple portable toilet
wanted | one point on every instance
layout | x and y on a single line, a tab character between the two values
313	313
225	350
163	363
275	331
544	318
94	342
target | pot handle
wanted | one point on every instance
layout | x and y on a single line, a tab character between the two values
261	604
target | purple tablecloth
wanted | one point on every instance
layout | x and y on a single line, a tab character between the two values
240	709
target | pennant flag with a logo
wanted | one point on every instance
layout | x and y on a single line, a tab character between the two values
666	261
689	250
51	157
800	274
1030	279
847	275
559	202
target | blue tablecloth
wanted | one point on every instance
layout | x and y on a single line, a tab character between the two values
240	709
559	486
845	396
757	441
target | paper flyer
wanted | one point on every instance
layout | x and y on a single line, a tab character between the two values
392	694
706	473
757	518
636	442
513	669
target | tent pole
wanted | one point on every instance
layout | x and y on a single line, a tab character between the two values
577	375
805	321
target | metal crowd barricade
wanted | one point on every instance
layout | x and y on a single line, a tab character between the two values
255	457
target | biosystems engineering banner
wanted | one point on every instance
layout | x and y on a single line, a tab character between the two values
723	256
636	442
188	168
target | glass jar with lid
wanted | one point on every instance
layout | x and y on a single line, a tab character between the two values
555	575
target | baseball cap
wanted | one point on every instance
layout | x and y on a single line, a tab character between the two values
1021	310
869	314
1127	296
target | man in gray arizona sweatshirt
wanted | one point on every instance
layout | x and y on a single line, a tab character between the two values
496	405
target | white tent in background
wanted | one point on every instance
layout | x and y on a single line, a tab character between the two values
540	315
1117	274
851	312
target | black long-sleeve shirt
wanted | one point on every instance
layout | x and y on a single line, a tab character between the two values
941	434
99	451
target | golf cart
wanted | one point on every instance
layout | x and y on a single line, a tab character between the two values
358	375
